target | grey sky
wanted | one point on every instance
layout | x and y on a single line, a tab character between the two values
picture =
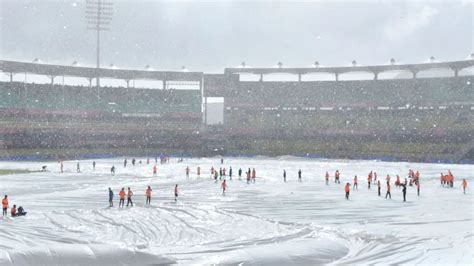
210	35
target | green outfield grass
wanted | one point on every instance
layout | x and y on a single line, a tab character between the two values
15	171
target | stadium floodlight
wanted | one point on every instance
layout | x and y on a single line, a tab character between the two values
112	66
432	59
75	63
148	68
316	64
392	61
354	63
280	64
36	60
98	16
184	69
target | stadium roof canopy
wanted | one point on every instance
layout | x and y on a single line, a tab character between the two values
454	65
90	72
131	74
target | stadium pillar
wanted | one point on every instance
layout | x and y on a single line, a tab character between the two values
90	82
414	74
11	77
205	111
376	75
201	86
52	80
261	77
164	84
456	72
299	77
337	76
128	83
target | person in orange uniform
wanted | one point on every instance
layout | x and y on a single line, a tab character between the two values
155	170
387	179
129	197
223	186
347	189
122	197
397	181
417	176
450	179
369	179
446	180
464	185
336	177
388	191
148	195
5	205
13	211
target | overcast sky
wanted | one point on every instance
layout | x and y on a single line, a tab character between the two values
211	35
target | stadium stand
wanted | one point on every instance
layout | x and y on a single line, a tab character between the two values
418	119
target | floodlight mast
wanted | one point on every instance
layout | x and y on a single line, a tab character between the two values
98	16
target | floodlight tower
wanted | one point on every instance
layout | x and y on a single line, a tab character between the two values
98	16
